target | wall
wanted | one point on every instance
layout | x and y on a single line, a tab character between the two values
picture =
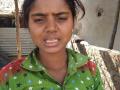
96	28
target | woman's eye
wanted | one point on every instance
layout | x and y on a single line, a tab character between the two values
62	18
39	20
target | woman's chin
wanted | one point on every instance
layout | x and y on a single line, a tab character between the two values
53	50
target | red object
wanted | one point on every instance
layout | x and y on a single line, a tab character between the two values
92	67
10	69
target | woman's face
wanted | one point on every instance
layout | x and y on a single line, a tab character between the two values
50	24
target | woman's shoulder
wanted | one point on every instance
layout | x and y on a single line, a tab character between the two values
91	66
85	62
10	69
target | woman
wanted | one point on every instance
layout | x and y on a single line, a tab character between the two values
51	66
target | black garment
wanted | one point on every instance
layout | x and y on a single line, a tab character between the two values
4	60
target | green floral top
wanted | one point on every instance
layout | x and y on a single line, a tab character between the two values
29	74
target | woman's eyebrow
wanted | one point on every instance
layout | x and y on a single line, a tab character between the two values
56	14
62	13
38	14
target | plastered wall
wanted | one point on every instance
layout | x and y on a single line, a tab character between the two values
97	25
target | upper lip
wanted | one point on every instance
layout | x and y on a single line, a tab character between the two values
51	37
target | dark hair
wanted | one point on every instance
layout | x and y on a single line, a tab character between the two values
74	6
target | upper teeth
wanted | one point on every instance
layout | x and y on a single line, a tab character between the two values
51	41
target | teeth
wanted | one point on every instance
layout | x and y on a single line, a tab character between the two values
51	41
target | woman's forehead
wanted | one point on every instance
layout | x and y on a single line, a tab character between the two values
49	5
51	2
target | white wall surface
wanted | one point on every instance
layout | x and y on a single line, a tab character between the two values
97	30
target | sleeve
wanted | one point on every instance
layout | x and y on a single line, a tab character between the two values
98	81
8	71
5	73
98	84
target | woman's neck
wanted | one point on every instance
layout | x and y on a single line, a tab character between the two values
56	64
57	61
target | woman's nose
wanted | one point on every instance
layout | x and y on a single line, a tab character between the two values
51	26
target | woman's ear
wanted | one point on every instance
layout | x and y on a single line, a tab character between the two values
74	26
77	27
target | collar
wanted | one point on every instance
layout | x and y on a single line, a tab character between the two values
31	63
75	60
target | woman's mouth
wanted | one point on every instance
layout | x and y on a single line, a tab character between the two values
51	42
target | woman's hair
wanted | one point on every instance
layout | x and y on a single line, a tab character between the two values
74	6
